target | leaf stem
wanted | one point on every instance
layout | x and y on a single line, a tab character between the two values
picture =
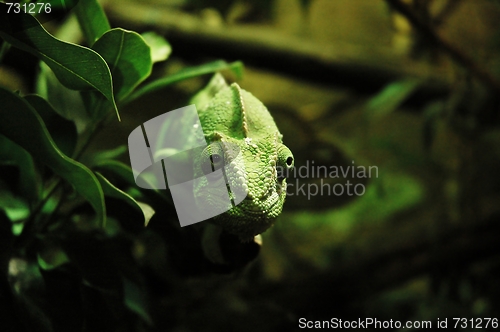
459	57
29	225
93	128
4	49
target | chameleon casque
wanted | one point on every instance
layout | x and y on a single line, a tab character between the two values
241	134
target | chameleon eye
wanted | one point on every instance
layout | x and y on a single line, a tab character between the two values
285	161
212	159
216	160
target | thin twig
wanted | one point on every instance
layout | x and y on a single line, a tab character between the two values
28	234
458	56
448	9
342	64
4	49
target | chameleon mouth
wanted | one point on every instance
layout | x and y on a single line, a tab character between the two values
259	207
251	216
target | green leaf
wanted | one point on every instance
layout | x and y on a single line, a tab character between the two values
76	67
135	300
29	185
15	208
61	130
390	98
110	190
51	256
92	159
20	123
128	57
236	67
67	103
124	173
60	4
160	48
92	19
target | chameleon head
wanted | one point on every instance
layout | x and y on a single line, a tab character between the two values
245	143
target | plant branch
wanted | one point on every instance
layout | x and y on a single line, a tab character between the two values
28	232
447	10
94	127
458	56
4	49
343	64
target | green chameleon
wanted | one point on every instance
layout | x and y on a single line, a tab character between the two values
233	117
239	149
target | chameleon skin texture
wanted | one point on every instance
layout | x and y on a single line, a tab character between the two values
243	138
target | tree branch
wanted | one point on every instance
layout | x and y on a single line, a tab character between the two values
458	56
346	65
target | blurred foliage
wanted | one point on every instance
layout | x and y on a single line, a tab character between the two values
420	243
239	10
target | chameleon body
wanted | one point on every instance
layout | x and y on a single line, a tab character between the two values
242	135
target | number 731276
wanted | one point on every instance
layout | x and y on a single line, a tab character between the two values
29	8
475	323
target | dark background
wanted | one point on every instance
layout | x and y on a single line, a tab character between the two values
409	87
